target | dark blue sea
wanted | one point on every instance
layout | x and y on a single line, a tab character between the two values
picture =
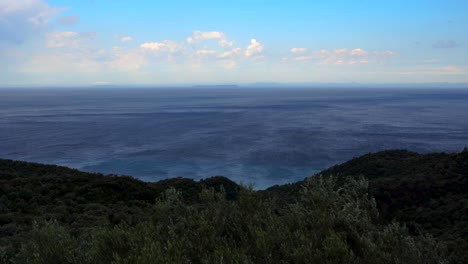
263	136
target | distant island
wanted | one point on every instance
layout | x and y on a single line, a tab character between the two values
215	86
345	214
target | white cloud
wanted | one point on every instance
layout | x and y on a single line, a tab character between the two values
21	19
126	39
222	55
231	53
298	50
357	52
303	58
70	53
254	48
340	56
67	39
225	44
199	36
165	46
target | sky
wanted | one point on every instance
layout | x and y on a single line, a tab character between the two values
104	42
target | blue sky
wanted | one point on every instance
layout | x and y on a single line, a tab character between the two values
81	43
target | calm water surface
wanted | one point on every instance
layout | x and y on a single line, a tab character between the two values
261	136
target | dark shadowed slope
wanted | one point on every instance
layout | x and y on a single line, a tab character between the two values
425	191
429	190
35	192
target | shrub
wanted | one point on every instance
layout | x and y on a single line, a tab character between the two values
335	221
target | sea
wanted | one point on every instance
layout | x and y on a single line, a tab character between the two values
253	135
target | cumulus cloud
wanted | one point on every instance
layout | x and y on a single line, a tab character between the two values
67	39
164	46
199	36
225	44
231	53
70	20
228	53
298	50
126	39
254	48
69	51
21	19
223	55
445	44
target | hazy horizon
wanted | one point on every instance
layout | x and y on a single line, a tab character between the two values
266	85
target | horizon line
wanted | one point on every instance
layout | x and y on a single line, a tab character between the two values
256	85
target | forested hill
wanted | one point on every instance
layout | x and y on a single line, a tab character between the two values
427	192
36	192
430	190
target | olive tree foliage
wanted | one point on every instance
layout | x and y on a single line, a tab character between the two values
334	221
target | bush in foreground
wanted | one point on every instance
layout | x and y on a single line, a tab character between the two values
331	223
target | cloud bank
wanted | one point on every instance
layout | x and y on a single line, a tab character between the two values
298	50
200	36
340	56
22	19
68	39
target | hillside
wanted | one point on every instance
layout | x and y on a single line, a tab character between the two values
426	192
429	190
35	192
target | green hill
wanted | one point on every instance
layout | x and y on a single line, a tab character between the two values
427	192
35	192
292	223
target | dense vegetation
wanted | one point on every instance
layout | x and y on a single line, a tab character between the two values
427	192
52	214
80	201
